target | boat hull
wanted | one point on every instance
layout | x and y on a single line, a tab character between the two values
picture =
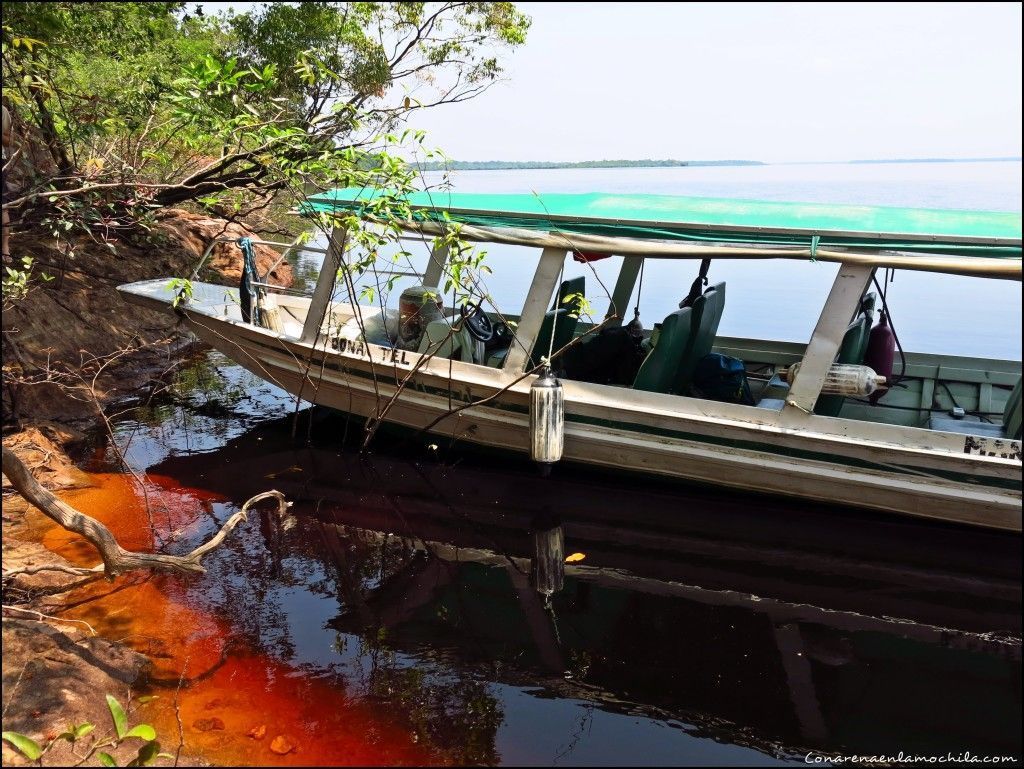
896	469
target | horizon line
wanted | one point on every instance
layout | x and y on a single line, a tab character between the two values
972	159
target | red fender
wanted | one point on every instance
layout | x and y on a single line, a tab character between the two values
880	353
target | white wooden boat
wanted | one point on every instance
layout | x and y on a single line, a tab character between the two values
944	445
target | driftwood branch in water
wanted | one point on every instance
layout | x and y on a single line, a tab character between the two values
117	560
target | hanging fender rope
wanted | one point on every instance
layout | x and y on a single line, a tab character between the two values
246	289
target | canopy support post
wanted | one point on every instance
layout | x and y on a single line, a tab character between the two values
843	300
623	290
435	266
324	286
543	286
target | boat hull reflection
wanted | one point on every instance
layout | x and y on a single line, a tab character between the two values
758	622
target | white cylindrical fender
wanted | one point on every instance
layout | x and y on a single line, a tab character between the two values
845	379
271	314
547	419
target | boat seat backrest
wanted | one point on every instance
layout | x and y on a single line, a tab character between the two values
658	371
560	320
707	314
851	351
555	322
858	333
441	341
569	288
867	306
1011	414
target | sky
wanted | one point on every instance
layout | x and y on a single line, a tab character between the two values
769	82
763	82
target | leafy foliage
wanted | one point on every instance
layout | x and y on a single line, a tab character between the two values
110	84
147	754
16	281
142	105
371	47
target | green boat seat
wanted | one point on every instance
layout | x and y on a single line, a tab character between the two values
972	425
851	351
1011	414
555	322
571	287
658	371
439	340
497	358
707	314
560	320
686	336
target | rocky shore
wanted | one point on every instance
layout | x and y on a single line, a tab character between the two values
71	348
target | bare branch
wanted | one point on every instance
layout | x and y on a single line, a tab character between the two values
78	571
40	617
117	560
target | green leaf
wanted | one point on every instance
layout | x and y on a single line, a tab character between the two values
106	759
75	732
148	753
84	729
120	719
29	747
147	698
143	732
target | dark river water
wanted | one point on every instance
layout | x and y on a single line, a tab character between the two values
393	618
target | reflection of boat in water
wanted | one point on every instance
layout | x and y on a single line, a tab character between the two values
943	441
785	628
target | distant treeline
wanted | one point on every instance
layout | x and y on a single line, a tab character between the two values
504	165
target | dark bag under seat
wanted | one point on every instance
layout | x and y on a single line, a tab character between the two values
721	378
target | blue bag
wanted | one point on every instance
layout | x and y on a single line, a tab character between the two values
721	378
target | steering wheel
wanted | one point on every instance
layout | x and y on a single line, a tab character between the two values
477	322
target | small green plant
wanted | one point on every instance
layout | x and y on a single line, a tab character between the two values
182	289
578	305
18	282
147	754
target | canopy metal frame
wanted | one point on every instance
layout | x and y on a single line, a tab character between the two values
857	266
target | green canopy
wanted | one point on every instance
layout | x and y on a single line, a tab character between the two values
675	218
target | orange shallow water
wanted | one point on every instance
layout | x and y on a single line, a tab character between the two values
231	689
